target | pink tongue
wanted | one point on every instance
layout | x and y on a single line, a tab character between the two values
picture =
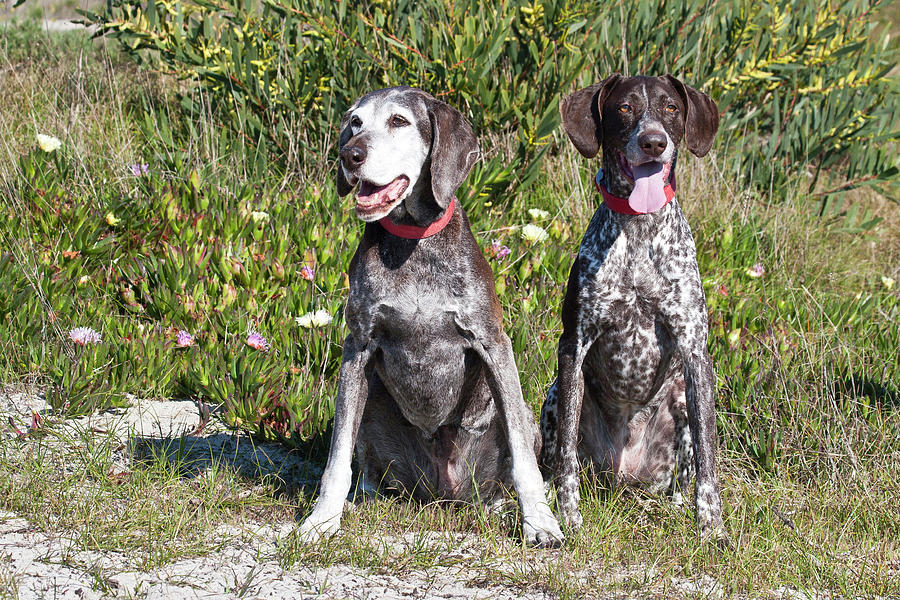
649	188
370	196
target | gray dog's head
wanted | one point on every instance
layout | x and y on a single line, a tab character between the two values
407	151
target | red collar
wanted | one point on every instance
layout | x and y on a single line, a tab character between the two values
411	232
620	205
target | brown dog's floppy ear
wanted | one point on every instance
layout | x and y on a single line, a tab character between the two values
581	115
454	150
343	186
701	119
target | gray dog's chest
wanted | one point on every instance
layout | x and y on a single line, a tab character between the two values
421	356
416	317
629	276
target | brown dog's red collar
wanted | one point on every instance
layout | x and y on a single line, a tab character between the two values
620	205
411	232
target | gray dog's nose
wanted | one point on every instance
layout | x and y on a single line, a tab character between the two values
353	156
653	143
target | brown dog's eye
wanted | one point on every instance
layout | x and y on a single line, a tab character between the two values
671	108
625	109
398	121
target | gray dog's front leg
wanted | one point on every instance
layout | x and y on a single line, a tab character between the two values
325	518
540	526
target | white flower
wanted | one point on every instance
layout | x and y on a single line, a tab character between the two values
320	318
533	233
48	143
887	282
84	336
756	271
537	214
259	216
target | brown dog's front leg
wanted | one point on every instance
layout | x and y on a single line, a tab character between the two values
540	526
325	518
700	397
570	393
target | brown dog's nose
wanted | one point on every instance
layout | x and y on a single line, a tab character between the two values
353	156
653	143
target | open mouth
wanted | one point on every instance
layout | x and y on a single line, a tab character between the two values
373	199
634	172
650	179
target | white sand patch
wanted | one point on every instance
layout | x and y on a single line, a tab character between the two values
37	564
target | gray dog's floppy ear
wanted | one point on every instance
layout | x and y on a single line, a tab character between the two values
343	186
582	114
701	119
454	150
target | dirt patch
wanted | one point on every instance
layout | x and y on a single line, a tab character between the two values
42	564
246	559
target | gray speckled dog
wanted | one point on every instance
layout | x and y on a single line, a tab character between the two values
429	393
634	394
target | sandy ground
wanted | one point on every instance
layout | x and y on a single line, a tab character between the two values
245	567
50	10
42	564
37	563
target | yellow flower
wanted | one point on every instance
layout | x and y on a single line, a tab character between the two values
112	219
534	233
48	143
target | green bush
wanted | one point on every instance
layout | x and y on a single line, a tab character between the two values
803	89
187	244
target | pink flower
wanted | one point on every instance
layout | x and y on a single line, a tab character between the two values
255	340
84	336
183	339
498	250
307	273
140	169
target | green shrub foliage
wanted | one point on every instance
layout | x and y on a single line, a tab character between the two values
183	246
802	86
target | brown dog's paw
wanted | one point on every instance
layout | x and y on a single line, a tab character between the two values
717	537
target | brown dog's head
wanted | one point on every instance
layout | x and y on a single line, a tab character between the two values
407	151
639	123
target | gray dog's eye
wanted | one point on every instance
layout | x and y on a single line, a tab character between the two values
355	121
398	121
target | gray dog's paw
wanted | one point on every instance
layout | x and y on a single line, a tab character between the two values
542	529
319	526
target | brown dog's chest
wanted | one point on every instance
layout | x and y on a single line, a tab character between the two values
623	293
